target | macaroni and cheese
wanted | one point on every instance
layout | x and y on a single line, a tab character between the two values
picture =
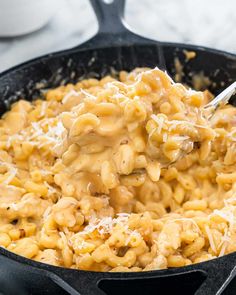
118	175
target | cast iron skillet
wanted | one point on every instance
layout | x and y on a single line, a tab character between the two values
113	47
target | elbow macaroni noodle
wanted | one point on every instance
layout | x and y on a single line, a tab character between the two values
84	182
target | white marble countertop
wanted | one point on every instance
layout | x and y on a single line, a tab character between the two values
203	22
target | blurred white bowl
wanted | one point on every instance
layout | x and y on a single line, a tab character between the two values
18	17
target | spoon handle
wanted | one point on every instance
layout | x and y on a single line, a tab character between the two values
222	98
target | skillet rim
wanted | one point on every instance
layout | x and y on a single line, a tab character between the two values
147	42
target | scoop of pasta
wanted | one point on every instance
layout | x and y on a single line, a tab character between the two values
189	142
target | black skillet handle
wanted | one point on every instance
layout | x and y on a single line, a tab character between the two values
112	30
110	15
219	273
77	282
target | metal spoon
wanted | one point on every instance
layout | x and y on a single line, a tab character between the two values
220	100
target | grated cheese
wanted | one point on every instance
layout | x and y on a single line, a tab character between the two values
182	122
43	109
13	137
11	172
68	95
165	137
223	248
227	214
210	238
160	122
186	219
225	240
63	237
106	224
232	135
132	234
14	206
51	189
54	136
180	138
81	245
87	94
66	230
47	212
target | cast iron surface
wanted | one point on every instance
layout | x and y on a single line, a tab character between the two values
114	48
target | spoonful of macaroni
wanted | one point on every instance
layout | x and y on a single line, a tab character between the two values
179	137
